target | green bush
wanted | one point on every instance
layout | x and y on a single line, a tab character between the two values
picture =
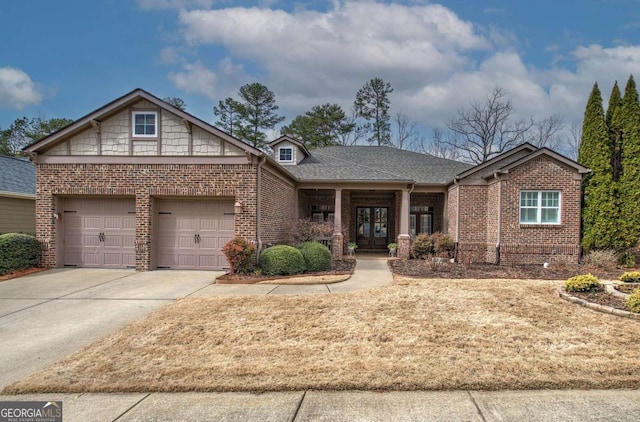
422	246
605	259
631	277
633	301
241	255
18	251
317	257
442	243
281	260
582	283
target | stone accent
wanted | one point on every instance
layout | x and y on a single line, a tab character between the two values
404	246
144	182
337	246
115	133
597	307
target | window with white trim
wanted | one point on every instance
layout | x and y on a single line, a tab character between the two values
539	207
285	154
145	124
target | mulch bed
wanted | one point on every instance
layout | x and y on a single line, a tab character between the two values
426	269
603	298
20	273
337	268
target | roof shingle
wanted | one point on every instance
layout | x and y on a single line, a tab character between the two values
17	175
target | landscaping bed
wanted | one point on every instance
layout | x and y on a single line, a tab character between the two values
344	267
425	268
601	297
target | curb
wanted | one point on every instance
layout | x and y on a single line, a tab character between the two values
600	308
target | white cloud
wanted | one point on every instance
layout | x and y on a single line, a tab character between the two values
436	62
196	79
17	90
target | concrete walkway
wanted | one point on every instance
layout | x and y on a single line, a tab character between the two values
335	406
371	271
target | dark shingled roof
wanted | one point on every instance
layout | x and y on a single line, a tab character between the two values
361	163
17	175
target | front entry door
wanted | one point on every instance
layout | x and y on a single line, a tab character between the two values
372	227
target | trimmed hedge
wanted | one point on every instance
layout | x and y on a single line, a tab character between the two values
281	260
18	251
582	283
317	257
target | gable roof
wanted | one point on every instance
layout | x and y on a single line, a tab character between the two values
295	142
372	163
548	152
17	176
124	101
490	166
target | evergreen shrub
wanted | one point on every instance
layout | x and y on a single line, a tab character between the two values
582	283
281	260
18	251
317	257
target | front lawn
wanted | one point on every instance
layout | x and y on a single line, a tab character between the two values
415	334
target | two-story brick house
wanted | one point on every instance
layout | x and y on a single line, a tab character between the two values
140	183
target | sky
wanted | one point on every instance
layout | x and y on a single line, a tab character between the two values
67	58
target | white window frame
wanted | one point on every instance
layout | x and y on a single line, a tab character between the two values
133	124
538	207
281	150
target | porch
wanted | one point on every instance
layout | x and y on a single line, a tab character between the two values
373	218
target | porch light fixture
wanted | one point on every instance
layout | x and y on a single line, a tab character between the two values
237	207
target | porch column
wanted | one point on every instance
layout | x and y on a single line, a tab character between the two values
337	239
404	240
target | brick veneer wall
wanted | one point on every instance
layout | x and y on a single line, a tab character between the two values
142	182
535	244
278	213
435	200
519	243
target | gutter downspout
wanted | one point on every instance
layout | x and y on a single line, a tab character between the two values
259	202
499	237
456	182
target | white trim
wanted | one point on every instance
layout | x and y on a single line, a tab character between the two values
280	150
539	208
133	124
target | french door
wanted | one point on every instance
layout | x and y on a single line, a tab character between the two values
372	228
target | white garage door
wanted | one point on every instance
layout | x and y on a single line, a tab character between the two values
191	233
99	232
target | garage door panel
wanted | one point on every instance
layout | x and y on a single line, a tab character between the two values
196	238
99	232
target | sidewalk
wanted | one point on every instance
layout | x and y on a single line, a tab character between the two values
546	405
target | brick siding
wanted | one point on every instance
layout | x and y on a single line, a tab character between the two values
142	182
277	212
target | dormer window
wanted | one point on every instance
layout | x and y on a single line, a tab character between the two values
285	154
145	124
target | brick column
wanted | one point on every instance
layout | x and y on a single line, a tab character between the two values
144	216
337	240
404	240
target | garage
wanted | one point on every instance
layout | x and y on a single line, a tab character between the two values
191	233
99	233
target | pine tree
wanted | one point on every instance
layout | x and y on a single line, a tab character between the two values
629	226
600	213
372	104
257	111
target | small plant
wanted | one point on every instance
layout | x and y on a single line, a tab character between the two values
241	255
422	246
282	260
631	277
627	260
442	243
604	259
352	245
392	246
582	283
317	257
633	301
18	251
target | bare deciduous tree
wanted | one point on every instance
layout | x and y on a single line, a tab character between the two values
406	132
486	128
358	132
438	147
545	133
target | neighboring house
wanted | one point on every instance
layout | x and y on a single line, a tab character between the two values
17	195
139	183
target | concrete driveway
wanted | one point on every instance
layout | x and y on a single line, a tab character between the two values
47	315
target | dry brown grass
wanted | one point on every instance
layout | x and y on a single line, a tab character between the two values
416	334
309	279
